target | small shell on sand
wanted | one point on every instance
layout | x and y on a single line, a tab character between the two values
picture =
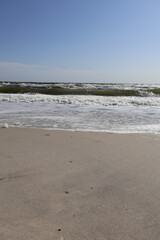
5	125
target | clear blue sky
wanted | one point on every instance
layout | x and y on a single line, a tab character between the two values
80	40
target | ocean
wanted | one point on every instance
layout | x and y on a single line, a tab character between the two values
114	108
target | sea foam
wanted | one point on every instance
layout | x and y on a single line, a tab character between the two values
81	100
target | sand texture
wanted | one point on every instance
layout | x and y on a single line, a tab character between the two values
59	185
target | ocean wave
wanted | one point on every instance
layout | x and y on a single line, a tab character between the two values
96	89
81	100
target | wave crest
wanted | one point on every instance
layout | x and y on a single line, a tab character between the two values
81	100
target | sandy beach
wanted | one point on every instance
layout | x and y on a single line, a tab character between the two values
61	185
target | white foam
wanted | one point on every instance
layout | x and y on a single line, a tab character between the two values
85	113
81	100
5	125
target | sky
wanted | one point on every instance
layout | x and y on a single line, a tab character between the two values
80	41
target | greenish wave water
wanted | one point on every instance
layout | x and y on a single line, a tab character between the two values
79	91
57	91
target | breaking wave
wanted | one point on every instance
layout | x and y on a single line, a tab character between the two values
100	89
81	100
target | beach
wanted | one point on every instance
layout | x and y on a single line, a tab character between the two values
79	185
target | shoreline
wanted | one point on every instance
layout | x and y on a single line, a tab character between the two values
69	185
82	130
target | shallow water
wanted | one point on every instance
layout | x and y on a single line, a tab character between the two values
120	114
69	116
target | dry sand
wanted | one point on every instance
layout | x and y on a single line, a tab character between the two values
59	185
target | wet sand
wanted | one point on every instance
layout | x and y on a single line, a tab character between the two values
63	185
